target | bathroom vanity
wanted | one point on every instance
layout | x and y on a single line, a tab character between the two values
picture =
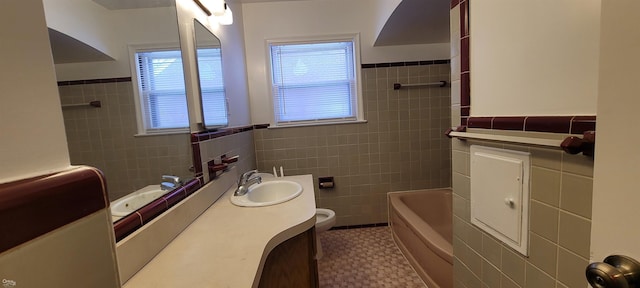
232	246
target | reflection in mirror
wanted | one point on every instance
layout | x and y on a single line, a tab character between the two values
212	93
110	137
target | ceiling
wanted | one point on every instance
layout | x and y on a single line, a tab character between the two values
66	49
413	21
417	22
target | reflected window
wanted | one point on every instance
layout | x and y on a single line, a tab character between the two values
162	91
161	95
212	86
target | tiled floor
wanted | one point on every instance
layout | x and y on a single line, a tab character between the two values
364	257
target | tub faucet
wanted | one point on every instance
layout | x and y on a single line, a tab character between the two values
245	181
170	182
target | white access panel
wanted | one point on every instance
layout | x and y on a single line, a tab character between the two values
500	194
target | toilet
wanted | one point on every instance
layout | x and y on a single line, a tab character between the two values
325	219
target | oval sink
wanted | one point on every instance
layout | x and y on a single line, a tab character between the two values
268	193
135	201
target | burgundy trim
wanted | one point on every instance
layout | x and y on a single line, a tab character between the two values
480	122
554	124
464	19
464	54
133	221
404	64
581	124
208	135
465	89
551	124
454	3
175	196
261	126
193	186
197	165
464	121
94	81
153	209
508	123
33	207
127	225
465	111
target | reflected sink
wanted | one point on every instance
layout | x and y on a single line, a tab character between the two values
268	193
134	201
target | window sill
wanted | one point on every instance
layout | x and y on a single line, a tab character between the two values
162	133
273	126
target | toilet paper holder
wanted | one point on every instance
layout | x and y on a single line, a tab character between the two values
616	271
325	182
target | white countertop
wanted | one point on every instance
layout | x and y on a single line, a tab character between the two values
227	245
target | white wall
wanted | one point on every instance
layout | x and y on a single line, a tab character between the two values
129	26
288	19
81	19
534	57
31	125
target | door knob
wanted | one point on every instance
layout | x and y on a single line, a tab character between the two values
616	271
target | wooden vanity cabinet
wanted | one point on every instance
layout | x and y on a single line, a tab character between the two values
292	263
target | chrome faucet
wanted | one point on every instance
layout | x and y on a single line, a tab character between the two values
245	181
170	182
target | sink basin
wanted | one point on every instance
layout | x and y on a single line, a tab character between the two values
134	201
268	193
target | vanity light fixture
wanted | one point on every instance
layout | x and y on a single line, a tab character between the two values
227	17
217	9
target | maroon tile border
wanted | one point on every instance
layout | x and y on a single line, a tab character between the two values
33	207
93	81
208	135
153	209
465	89
464	18
508	123
554	124
550	124
454	3
133	221
127	225
195	153
175	196
480	122
581	124
464	54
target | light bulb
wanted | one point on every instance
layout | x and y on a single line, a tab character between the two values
227	17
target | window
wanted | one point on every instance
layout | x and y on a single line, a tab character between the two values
315	82
161	95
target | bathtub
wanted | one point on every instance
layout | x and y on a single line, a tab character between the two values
421	226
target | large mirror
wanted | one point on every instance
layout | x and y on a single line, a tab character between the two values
136	129
211	81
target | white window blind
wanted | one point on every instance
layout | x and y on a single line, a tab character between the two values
161	87
162	90
214	106
313	82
